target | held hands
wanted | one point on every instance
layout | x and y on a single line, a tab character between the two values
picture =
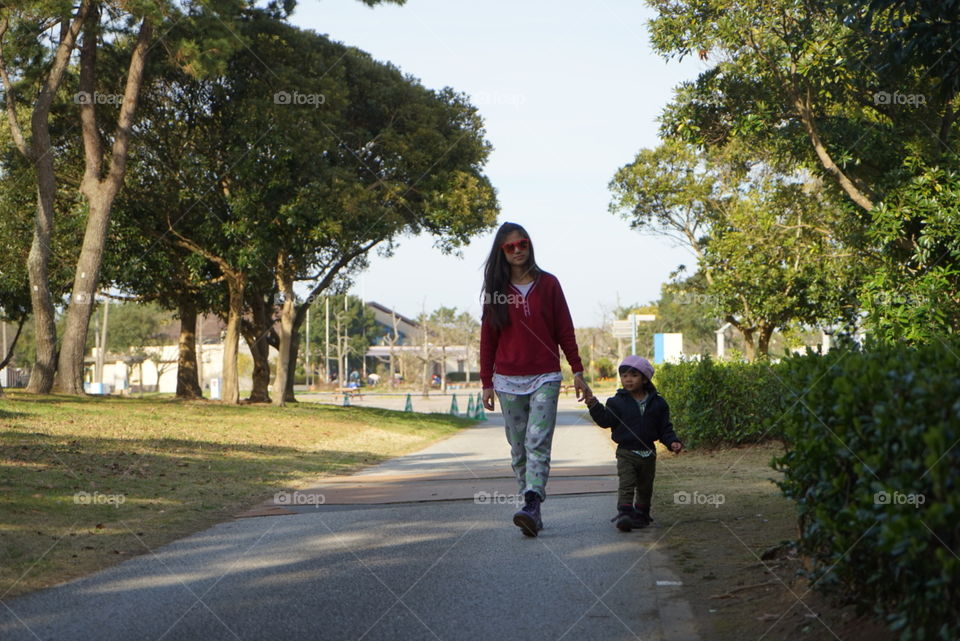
589	398
584	393
676	446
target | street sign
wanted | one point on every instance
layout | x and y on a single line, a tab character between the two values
628	328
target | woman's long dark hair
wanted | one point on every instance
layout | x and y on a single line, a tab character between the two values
496	276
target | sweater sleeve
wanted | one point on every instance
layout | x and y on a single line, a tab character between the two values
564	333
489	338
667	435
602	415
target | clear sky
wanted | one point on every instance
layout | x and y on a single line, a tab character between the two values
569	91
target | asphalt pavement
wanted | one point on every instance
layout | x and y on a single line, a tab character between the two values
400	566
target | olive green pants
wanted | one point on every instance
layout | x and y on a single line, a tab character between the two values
636	477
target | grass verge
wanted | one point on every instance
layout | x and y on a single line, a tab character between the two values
88	482
742	583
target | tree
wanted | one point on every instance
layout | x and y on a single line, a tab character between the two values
296	174
863	94
764	240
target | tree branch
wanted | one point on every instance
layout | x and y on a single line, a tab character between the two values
11	99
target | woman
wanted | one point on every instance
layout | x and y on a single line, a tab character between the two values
525	318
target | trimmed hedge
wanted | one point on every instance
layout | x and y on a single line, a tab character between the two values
873	464
717	403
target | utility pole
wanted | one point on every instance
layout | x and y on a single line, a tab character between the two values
309	371
326	342
103	340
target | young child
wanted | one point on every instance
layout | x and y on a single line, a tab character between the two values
639	416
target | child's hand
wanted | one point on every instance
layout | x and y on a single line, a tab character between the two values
589	398
676	446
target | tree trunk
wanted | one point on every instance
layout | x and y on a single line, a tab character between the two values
748	347
69	379
231	345
40	154
100	193
260	352
256	334
45	364
188	380
285	282
763	341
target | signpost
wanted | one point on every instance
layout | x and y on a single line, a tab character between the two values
628	328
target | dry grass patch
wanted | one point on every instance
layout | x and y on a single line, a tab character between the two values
88	482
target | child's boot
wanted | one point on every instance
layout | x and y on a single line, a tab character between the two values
641	516
528	517
624	520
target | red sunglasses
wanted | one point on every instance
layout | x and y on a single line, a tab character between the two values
522	245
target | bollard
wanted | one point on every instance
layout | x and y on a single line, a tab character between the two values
409	406
480	415
454	410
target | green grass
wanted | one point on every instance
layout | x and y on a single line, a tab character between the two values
154	470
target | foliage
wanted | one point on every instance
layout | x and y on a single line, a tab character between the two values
914	293
764	236
722	403
846	91
872	465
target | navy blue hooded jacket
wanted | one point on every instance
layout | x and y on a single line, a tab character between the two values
631	429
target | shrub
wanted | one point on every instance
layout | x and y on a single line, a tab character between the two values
715	403
873	465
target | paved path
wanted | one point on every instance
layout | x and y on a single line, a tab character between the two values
393	568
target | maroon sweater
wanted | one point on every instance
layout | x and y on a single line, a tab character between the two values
528	345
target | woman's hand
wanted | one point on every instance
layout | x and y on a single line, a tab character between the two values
488	399
581	387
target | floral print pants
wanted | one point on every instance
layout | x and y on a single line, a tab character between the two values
529	421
